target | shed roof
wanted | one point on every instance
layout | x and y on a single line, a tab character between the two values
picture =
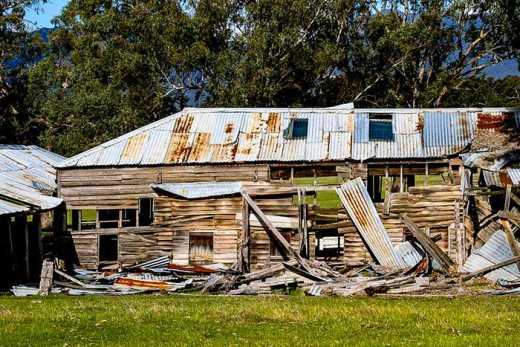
233	135
27	179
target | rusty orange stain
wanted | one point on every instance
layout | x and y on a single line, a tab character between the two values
273	122
183	124
178	148
141	283
491	121
133	146
200	147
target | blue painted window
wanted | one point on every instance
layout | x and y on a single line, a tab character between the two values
380	128
297	129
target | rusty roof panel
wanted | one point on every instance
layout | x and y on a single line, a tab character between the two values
356	200
257	135
133	151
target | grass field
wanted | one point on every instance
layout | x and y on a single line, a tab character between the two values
243	321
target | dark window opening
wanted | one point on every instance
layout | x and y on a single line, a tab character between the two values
88	219
201	248
108	248
298	128
73	220
108	218
329	245
146	207
129	218
274	251
380	127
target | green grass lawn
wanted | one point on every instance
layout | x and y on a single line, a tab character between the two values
243	321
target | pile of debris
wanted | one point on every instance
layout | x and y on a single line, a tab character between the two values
417	266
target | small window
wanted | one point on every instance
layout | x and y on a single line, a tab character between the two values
297	129
201	248
380	127
108	218
329	246
146	207
88	219
274	251
73	220
129	218
108	248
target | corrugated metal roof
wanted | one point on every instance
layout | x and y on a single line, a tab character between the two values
356	200
493	252
27	178
223	135
200	189
514	176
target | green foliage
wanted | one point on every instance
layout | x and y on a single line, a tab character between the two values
17	48
112	66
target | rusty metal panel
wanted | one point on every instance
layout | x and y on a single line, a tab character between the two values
133	151
494	251
514	176
356	200
248	148
155	149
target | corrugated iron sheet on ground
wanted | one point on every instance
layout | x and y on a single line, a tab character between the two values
356	200
27	178
493	252
248	135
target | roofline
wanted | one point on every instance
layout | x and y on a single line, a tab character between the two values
354	110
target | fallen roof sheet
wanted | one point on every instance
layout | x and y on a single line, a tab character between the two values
27	179
200	189
494	251
228	135
356	200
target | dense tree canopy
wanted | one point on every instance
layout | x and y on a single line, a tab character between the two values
111	66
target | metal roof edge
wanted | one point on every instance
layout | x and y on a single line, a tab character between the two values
74	159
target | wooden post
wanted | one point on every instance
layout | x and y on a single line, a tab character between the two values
244	256
27	251
401	188
292	175
507	202
511	240
46	277
427	174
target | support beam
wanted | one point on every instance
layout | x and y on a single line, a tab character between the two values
426	242
244	255
283	245
511	240
507	202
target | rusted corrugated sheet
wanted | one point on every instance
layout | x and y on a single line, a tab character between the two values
27	176
496	178
239	135
496	250
356	200
514	176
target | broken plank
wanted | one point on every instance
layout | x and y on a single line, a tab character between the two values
491	268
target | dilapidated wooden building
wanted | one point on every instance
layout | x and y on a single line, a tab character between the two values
181	186
27	209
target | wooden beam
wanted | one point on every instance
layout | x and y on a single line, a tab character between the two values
244	263
283	245
511	240
491	268
70	278
428	245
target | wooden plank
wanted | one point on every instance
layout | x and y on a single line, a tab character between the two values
46	277
491	268
507	202
70	278
426	242
511	240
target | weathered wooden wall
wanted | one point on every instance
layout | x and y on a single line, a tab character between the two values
112	188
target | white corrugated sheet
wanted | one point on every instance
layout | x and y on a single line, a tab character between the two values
27	179
361	210
493	252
